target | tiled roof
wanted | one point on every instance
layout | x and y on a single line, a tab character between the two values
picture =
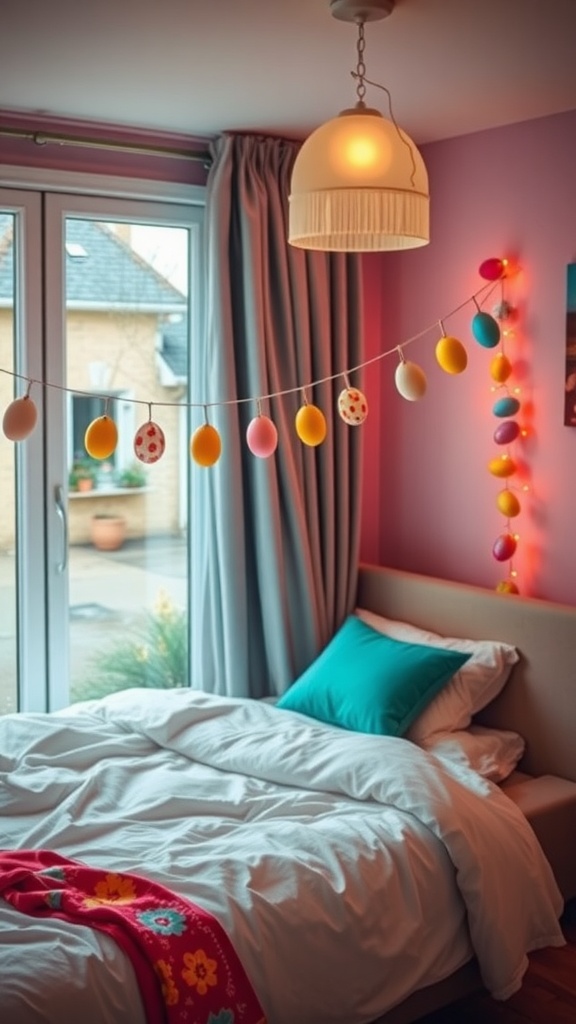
106	271
175	346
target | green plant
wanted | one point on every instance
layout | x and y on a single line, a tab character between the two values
154	656
132	476
82	469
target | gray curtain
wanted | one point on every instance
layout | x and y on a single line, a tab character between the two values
274	541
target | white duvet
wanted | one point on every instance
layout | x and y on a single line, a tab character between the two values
348	870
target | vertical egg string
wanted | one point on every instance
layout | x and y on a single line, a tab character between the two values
505	408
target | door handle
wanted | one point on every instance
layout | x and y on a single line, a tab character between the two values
62	514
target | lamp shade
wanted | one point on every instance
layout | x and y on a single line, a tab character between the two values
359	184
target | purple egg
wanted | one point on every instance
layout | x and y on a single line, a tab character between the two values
506	432
504	547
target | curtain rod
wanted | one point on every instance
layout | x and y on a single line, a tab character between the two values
44	138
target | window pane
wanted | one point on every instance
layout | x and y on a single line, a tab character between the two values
127	329
8	603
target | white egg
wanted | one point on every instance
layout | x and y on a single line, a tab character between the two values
410	381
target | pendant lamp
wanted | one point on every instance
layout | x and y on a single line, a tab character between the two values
359	183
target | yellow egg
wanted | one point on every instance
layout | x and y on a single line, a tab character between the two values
311	425
205	445
101	438
507	587
502	466
19	419
410	381
500	368
508	504
451	355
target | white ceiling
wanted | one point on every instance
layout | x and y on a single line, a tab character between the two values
283	66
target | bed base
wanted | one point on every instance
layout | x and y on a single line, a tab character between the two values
539	702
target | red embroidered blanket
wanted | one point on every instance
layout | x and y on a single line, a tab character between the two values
185	964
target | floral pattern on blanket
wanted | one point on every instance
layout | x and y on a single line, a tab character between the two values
186	966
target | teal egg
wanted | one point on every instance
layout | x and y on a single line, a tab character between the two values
486	330
506	406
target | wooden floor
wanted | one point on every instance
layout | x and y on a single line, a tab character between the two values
548	995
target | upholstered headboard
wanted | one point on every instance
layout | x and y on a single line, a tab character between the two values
539	700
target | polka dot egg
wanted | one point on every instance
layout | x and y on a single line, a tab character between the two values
352	406
149	443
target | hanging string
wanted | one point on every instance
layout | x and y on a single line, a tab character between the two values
485	291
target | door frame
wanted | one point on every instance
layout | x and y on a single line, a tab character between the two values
28	366
42	206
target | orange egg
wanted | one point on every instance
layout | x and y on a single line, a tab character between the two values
502	466
508	504
451	355
311	425
101	438
205	445
500	368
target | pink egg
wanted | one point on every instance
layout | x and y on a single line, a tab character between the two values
149	443
504	547
506	432
262	437
352	406
19	419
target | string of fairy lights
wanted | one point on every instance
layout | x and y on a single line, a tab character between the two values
506	408
149	445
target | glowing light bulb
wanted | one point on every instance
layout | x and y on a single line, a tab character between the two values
361	152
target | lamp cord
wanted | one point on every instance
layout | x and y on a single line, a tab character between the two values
360	75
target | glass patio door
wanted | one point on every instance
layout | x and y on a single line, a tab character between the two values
121	302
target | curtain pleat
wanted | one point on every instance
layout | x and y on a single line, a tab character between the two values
274	541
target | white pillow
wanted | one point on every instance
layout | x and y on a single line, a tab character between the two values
493	753
477	683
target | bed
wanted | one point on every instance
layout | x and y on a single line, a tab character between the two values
333	874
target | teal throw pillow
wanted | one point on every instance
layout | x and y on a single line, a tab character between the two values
368	682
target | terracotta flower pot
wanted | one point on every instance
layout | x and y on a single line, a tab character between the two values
107	532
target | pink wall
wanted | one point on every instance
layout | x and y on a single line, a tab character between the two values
429	500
